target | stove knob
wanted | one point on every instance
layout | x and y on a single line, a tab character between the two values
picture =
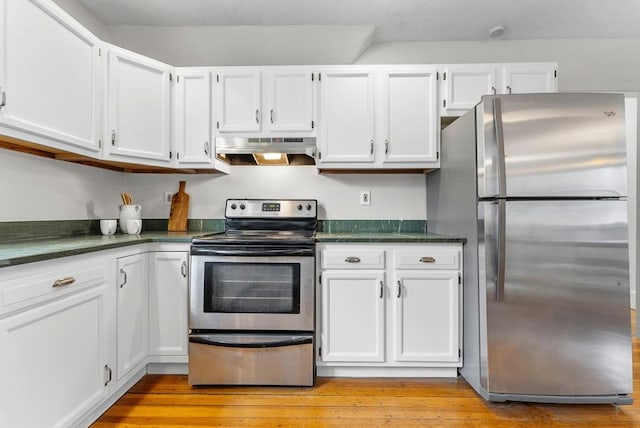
233	206
242	206
299	207
309	207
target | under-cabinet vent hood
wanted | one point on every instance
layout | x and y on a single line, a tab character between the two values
266	151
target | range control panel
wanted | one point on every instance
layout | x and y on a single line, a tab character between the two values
270	208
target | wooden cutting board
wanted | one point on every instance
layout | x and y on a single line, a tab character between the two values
179	210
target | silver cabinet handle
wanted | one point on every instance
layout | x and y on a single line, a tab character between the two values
108	375
183	268
206	148
271	115
113	137
509	89
493	89
399	289
381	289
63	281
257	116
371	149
352	260
386	147
427	260
124	273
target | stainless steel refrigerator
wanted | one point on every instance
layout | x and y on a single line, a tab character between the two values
536	183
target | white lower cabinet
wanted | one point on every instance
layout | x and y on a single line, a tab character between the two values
56	362
168	306
389	309
132	322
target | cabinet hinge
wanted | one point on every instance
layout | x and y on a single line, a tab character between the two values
217	77
555	73
444	76
444	103
312	124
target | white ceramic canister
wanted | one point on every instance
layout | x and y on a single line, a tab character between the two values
129	212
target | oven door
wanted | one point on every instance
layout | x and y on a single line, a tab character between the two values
267	293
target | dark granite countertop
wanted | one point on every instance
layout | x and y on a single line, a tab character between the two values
399	237
27	251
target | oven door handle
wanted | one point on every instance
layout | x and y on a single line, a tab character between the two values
252	252
241	342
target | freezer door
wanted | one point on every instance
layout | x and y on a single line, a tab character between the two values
552	145
559	324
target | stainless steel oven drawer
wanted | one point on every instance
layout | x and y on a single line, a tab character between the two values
251	359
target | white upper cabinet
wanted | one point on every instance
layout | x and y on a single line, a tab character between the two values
464	85
410	115
193	117
238	100
529	78
265	101
347	126
138	108
289	99
50	77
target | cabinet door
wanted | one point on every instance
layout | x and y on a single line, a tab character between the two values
54	361
426	316
353	316
347	115
132	312
529	78
238	95
464	86
50	74
138	107
193	117
289	101
410	115
168	305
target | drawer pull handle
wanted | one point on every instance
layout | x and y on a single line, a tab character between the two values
63	281
427	260
381	289
352	260
399	289
124	274
183	268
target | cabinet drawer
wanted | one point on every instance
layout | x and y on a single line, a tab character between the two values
352	258
427	258
39	282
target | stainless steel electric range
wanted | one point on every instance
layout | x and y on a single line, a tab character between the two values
252	296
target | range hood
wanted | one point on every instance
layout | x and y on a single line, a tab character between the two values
266	150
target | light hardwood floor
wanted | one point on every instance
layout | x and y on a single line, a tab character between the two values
168	401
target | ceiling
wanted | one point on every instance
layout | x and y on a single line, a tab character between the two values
392	20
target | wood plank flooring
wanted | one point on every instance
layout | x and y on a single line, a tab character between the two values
168	401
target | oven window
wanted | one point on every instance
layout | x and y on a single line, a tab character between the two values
271	288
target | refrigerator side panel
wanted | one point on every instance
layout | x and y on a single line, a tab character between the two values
451	210
563	145
561	325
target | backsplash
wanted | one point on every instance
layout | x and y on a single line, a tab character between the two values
26	230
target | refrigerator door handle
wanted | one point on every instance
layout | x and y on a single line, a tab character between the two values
502	174
502	226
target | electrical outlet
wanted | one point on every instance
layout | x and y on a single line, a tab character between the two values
167	197
365	197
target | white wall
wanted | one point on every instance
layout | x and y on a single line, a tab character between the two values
396	196
37	188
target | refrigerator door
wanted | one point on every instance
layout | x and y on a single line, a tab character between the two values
552	145
559	323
